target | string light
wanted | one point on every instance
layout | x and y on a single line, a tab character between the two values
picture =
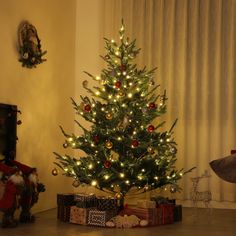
97	93
90	166
127	181
98	78
70	139
78	163
106	176
130	95
94	183
122	175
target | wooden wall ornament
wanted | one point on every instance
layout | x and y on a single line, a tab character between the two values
29	46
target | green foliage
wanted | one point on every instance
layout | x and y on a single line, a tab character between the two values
124	149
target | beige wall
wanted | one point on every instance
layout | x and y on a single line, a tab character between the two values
42	94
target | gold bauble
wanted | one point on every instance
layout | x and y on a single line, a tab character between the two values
76	183
82	105
54	172
109	116
150	150
121	94
109	144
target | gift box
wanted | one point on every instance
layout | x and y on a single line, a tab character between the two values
167	211
99	218
63	213
106	204
146	204
85	200
152	215
177	213
65	199
79	215
163	200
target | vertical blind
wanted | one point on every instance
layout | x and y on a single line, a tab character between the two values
192	43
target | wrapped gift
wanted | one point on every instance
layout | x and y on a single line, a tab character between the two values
167	213
79	215
85	200
152	215
99	218
146	204
105	204
65	199
177	213
63	213
163	200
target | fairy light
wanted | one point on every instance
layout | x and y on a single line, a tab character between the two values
143	170
181	174
138	89
116	61
92	145
168	177
98	77
97	93
127	77
161	140
124	73
122	175
119	138
78	163
110	96
142	94
127	182
130	84
130	95
168	140
140	177
123	105
103	109
90	166
124	86
106	176
122	164
117	53
118	73
94	183
161	104
112	41
95	113
156	178
134	132
65	169
70	139
73	144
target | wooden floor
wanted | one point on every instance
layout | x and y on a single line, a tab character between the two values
217	223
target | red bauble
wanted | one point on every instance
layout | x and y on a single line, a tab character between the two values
150	128
96	139
87	108
118	84
122	67
107	164
152	105
135	143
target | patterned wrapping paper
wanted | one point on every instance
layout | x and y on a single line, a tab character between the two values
152	215
79	215
99	218
63	213
65	199
85	200
167	213
146	204
106	204
177	213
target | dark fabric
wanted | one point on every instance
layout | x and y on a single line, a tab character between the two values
225	168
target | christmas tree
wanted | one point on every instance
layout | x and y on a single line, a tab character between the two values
126	148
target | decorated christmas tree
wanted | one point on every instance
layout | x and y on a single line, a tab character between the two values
126	147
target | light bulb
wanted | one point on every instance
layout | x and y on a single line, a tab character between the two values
90	166
122	175
70	139
94	183
98	78
130	95
78	163
106	176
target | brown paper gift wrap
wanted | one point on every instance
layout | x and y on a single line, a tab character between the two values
79	215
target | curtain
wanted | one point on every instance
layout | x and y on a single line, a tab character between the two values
192	42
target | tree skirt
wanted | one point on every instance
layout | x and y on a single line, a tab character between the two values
225	168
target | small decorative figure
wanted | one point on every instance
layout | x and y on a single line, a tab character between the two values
203	196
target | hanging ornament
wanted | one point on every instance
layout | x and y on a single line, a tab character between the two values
19	122
121	94
122	67
151	83
87	108
118	84
150	128
109	116
96	139
85	83
114	156
103	82
54	172
82	105
173	150
76	183
135	143
109	144
173	189
150	150
65	145
107	164
152	105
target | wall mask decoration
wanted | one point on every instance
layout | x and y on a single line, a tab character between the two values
29	46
